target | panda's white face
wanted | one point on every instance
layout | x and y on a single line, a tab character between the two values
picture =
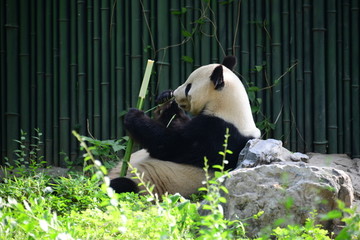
229	101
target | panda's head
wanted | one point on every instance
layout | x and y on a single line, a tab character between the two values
215	90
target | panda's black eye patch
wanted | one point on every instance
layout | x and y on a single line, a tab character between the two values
187	89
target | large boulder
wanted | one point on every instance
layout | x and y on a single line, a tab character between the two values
290	190
271	179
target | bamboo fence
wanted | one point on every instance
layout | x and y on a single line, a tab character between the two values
68	65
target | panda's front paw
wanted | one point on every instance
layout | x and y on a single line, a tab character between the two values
164	97
132	117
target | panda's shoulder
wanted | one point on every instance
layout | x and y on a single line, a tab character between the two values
210	123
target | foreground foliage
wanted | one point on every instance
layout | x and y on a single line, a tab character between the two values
37	206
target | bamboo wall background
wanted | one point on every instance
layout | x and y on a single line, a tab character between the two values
79	64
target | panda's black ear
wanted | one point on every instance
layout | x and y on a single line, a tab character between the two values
217	77
229	62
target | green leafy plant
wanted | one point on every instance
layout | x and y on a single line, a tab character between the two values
213	225
28	155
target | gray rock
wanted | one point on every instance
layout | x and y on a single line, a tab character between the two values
260	152
268	187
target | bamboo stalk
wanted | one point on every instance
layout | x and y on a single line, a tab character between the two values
73	86
214	34
175	56
120	66
40	70
331	102
56	83
299	78
81	62
90	65
204	39
139	106
24	65
135	61
252	38
355	150
308	89
48	84
346	77
97	70
245	45
12	102
277	113
285	82
229	8
163	64
339	76
3	141
196	39
113	110
64	113
189	46
293	92
268	57
259	54
104	82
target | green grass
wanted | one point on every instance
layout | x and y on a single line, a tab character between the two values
82	206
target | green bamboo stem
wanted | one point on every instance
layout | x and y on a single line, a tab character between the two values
12	100
64	116
319	29
196	39
244	41
268	57
214	43
97	70
285	82
339	76
308	89
55	98
119	68
175	56
277	113
331	101
299	78
136	49
346	77
139	106
24	64
163	41
40	67
259	42
3	141
81	70
252	38
73	79
113	91
105	77
355	150
48	134
293	92
90	65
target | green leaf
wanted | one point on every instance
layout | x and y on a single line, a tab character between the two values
186	33
187	59
332	215
182	11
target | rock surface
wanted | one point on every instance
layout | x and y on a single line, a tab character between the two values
284	190
287	186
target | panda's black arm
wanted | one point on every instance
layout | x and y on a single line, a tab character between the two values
150	134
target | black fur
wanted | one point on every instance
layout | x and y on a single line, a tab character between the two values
217	77
123	184
229	62
189	143
168	113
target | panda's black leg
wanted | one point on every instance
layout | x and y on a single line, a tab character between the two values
123	184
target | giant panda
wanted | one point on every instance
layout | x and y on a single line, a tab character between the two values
173	153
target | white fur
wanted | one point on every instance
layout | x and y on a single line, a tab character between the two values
231	103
